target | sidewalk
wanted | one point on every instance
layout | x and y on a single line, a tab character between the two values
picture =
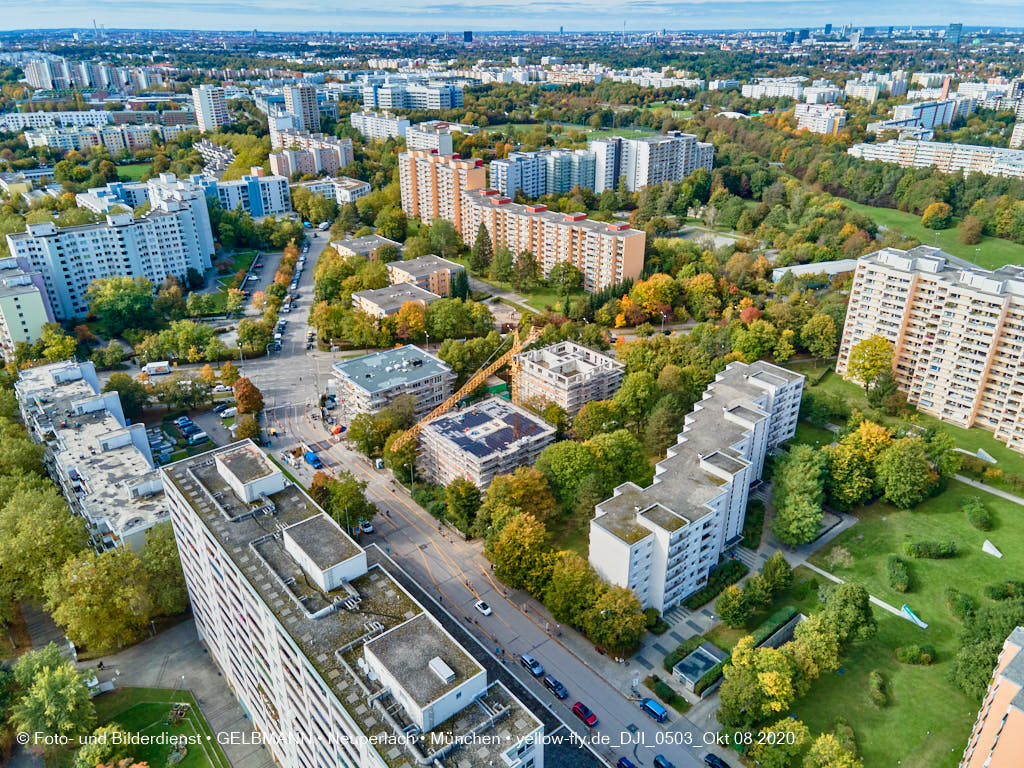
989	489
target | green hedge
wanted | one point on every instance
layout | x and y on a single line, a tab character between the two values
664	692
768	627
916	654
684	649
753	524
960	603
977	515
877	689
720	577
710	677
899	574
932	550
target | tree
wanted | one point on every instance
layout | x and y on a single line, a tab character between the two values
122	302
827	752
971	230
565	464
776	573
938	216
799	490
57	345
102	600
460	286
904	472
572	589
798	522
247	396
525	489
503	265
247	428
851	479
819	335
462	500
107	744
33	662
596	417
134	394
444	239
519	554
616	620
620	458
637	395
228	373
732	606
481	254
781	744
566	277
527	271
348	502
848	608
168	593
57	704
235	302
868	359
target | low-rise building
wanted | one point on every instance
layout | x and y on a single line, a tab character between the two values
335	662
566	374
429	272
370	382
828	268
997	740
479	442
381	302
103	464
24	307
340	189
367	246
115	138
662	540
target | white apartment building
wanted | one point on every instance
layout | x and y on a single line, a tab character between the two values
24	308
566	374
165	241
723	84
606	253
435	135
300	102
432	185
661	541
412	96
340	189
482	441
648	161
116	138
21	121
331	153
982	91
381	302
929	79
368	383
103	465
819	118
924	114
547	172
822	94
946	156
773	88
1017	137
211	107
379	125
333	659
956	330
256	193
869	91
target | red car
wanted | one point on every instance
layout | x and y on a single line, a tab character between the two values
582	711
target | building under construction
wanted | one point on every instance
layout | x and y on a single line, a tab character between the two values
566	374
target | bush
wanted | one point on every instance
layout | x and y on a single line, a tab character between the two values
931	550
654	623
1005	590
972	465
768	627
916	654
664	692
721	576
960	604
876	689
977	515
992	475
899	575
682	650
710	677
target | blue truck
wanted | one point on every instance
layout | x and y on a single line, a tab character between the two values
313	460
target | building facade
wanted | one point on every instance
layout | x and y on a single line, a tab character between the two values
819	118
21	121
211	107
323	153
116	138
434	96
479	442
997	740
371	382
429	272
946	156
648	161
300	102
956	332
335	662
547	172
381	302
379	125
340	189
566	374
24	306
432	185
661	541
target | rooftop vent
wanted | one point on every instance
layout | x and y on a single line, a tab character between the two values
442	670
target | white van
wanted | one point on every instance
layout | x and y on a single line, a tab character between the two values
227	413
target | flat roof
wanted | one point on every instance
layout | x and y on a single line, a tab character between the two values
391	368
323	540
364	245
489	427
390	298
486	196
426	265
246	464
570	361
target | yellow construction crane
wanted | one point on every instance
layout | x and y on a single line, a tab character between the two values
478	378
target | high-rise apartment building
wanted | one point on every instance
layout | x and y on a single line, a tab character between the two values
328	153
661	541
24	307
432	184
168	240
956	331
379	125
547	172
337	664
606	253
924	114
412	96
648	161
819	118
953	33
998	735
566	374
211	107
435	135
300	102
946	156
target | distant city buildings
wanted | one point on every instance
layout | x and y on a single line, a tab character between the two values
819	118
115	138
774	87
368	383
20	121
924	114
566	374
955	330
410	96
661	541
379	125
211	107
998	732
547	172
103	465
946	156
481	441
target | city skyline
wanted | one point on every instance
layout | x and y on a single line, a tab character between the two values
545	15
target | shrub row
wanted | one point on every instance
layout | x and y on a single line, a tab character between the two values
753	524
710	677
932	550
916	654
768	627
876	689
655	624
721	576
977	515
899	574
960	603
1004	590
684	649
664	692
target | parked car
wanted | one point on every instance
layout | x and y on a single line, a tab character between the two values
222	388
221	408
555	687
660	761
483	607
531	665
197	437
582	711
366	526
715	761
182	420
654	709
624	762
227	413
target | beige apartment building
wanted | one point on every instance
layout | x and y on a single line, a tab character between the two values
957	331
429	272
997	740
566	374
605	252
432	184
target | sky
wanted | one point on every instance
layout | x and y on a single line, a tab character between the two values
484	15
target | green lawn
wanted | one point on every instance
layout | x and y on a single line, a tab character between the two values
133	171
923	698
991	252
808	434
146	710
